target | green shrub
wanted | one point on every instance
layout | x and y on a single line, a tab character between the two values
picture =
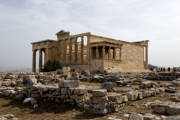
52	66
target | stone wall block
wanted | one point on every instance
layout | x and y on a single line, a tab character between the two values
69	83
117	98
99	93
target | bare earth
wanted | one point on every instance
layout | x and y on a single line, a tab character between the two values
53	111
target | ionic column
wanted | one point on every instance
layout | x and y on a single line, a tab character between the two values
143	57
65	51
34	61
82	49
146	57
70	51
44	50
109	53
97	53
60	51
120	53
103	52
40	60
76	51
88	49
46	55
114	53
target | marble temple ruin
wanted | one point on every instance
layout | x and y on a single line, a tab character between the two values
92	53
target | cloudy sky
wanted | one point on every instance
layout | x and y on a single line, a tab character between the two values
25	21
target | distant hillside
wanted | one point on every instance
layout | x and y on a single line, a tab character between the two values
17	70
150	66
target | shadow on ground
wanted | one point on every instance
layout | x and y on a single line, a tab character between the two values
18	109
84	115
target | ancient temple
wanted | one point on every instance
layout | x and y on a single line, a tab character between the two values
92	53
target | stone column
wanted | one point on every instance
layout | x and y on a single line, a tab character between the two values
40	60
109	53
82	50
97	53
76	51
143	56
48	55
146	57
114	53
70	51
120	53
90	53
44	50
88	49
60	51
103	52
65	51
94	54
34	61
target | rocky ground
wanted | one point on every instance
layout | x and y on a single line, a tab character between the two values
71	95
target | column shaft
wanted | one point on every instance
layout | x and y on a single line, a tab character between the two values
40	60
109	53
34	61
47	55
88	50
76	51
146	57
44	56
103	52
60	51
97	53
70	51
82	50
120	53
65	51
114	53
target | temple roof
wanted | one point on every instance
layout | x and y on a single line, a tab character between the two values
43	41
61	32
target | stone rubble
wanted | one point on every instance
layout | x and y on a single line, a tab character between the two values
97	103
8	117
147	116
175	97
176	82
68	92
109	86
69	83
162	76
33	88
165	108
